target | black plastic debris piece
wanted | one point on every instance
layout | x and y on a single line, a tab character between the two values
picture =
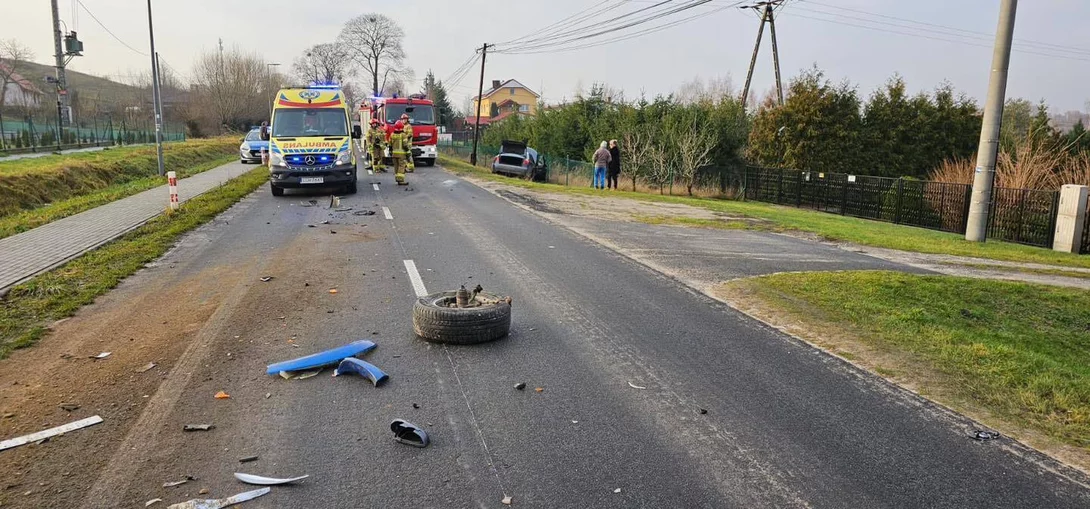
363	213
248	459
520	386
985	435
703	411
408	433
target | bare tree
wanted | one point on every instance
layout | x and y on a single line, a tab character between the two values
699	91
636	148
661	161
12	55
323	62
373	42
232	88
694	148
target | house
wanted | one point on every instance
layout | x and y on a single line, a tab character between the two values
19	91
504	99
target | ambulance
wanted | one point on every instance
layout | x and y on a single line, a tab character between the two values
311	140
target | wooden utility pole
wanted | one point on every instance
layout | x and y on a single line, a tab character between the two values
767	10
480	98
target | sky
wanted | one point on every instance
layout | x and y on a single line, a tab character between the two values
861	41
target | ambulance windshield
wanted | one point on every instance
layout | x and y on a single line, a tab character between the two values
299	122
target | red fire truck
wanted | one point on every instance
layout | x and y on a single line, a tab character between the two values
388	111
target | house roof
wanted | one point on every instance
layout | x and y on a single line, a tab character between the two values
508	84
18	79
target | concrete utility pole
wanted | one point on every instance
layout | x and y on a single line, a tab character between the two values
480	98
767	10
980	206
62	84
156	104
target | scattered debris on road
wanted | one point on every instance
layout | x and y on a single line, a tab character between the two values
68	407
222	395
266	481
507	500
539	389
247	459
51	432
102	355
171	484
222	502
520	386
416	406
204	491
702	411
198	427
634	386
983	435
462	317
332	290
352	365
408	433
342	209
322	359
152	501
148	367
363	213
618	490
309	203
300	375
266	279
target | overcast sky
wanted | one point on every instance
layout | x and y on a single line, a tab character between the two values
1051	61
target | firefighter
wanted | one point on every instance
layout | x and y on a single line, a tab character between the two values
400	150
376	142
406	121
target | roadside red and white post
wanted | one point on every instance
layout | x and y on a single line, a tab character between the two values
172	184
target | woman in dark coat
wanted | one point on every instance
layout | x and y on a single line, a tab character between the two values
614	164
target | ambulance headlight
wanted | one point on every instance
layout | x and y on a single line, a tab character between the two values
344	157
276	159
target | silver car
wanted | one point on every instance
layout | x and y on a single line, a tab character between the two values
518	160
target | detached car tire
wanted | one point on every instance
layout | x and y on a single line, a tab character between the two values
434	322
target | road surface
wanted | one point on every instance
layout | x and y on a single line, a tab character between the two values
626	358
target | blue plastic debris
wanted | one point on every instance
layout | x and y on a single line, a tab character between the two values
352	365
321	359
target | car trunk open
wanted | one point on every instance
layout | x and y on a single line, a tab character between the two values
512	147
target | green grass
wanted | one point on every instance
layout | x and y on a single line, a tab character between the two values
26	220
1020	350
26	184
828	226
30	307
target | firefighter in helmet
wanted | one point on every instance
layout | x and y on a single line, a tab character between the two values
406	121
376	143
400	150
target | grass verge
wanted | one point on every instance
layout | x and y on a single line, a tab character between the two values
827	226
1016	350
26	184
29	219
30	307
1022	270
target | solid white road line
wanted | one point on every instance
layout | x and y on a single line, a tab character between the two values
386	212
414	277
375	186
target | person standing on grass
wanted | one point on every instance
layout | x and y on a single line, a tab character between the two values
614	165
601	162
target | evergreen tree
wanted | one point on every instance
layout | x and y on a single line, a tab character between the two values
435	91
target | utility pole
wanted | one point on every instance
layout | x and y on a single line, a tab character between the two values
159	93
62	84
976	229
268	71
156	105
480	98
767	10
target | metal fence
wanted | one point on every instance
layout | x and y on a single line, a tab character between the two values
32	134
1023	216
1085	249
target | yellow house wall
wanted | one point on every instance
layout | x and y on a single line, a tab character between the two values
521	96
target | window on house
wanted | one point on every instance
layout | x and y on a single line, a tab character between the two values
524	108
512	89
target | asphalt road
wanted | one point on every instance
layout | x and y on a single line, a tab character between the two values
785	425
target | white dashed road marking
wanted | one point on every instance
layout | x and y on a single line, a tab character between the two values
386	212
414	277
375	186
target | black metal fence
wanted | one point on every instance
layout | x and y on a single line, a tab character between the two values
1024	216
1085	249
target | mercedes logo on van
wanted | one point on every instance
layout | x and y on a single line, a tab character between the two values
309	94
309	160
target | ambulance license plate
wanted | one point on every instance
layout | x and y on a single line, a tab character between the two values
311	180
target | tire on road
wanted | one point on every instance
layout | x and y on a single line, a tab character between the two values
434	322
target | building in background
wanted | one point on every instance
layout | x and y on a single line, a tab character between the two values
18	91
504	99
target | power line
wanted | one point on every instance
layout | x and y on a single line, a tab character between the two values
956	31
118	39
612	27
572	33
941	39
552	28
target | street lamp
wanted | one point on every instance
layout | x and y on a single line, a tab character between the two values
268	70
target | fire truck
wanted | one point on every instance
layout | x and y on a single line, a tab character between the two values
421	111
